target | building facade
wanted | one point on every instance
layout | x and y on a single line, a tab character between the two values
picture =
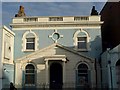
111	68
7	56
56	51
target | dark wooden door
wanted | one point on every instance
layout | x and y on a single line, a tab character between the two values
56	76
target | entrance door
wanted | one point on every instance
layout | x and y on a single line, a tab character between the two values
56	76
118	73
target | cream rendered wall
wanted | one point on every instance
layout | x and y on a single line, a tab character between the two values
18	75
8	38
70	67
7	56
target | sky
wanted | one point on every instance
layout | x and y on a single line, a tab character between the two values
9	9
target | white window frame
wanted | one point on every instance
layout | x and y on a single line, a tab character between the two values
81	41
29	74
24	41
29	42
75	38
78	84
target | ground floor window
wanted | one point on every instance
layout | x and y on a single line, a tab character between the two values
82	76
29	74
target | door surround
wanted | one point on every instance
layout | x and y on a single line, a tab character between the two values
51	59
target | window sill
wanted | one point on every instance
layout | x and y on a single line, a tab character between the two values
29	50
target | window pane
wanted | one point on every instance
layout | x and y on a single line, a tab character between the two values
83	66
82	45
82	42
29	79
30	45
82	71
29	70
30	66
82	39
30	39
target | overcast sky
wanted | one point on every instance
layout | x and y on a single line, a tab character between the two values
9	9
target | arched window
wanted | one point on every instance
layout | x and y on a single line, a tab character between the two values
30	41
82	75
81	40
29	74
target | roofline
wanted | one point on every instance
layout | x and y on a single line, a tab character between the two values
53	16
7	29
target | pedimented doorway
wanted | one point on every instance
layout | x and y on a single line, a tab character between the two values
56	75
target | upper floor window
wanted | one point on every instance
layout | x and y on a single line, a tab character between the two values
55	18
81	40
30	41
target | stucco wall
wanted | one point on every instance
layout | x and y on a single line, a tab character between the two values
70	67
7	57
67	40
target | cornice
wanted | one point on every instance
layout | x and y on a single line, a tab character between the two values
53	24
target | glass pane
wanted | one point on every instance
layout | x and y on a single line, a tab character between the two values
30	66
84	78
30	45
83	66
29	70
82	71
29	79
82	45
30	35
56	36
82	39
30	39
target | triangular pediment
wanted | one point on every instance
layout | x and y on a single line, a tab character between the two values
53	50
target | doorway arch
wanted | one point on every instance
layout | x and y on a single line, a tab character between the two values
56	76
